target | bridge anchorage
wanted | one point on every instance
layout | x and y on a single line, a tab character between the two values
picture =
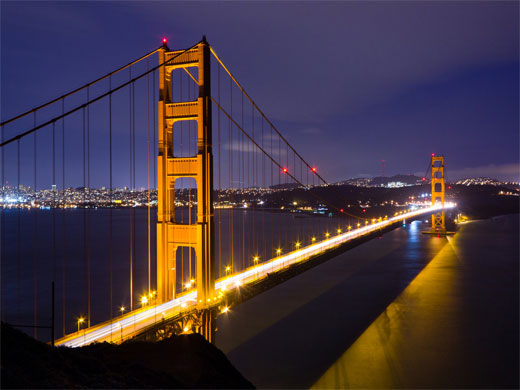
199	235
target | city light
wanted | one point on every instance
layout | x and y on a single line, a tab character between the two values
225	309
144	300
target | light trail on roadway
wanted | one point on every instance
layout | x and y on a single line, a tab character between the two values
129	324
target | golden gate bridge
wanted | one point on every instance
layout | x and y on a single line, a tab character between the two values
218	171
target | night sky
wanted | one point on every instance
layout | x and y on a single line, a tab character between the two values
348	83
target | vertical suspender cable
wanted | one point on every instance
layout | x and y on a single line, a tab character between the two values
272	184
84	214
63	230
180	181
148	166
231	173
263	186
279	186
54	205
35	242
242	185
252	155
19	240
189	181
219	190
154	131
88	214
133	169
131	187
110	192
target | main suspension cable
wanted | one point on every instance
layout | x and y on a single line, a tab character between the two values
262	114
77	108
80	88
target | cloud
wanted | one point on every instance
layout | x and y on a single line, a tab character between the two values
245	147
350	55
312	130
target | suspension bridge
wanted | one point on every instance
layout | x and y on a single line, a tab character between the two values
151	200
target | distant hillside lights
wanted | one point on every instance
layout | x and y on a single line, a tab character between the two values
396	184
485	181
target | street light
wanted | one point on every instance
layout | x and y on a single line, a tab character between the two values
255	261
122	309
297	245
80	321
313	239
144	300
278	251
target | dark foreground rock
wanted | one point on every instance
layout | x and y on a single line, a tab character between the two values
186	361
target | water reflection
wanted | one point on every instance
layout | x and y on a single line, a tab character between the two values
442	331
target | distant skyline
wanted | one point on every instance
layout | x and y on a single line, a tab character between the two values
347	83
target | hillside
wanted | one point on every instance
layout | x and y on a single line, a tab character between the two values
186	361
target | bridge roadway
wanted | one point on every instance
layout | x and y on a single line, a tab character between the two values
130	324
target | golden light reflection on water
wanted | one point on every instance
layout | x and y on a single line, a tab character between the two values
405	345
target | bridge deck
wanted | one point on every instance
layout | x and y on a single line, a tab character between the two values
132	323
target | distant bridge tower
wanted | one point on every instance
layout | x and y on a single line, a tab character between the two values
170	233
438	192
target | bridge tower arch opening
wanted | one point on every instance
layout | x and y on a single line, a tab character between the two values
171	234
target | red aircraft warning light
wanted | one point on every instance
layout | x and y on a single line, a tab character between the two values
314	169
164	40
285	170
341	210
423	179
433	154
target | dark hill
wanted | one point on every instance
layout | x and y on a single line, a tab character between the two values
186	361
